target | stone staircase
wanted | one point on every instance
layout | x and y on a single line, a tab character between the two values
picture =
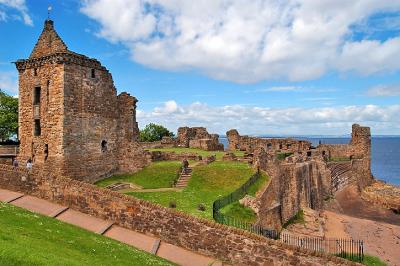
184	178
341	174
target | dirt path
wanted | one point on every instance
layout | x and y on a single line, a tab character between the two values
380	239
351	216
351	204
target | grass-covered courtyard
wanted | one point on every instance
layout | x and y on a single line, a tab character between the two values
156	175
208	183
31	239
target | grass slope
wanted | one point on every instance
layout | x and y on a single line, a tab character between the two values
208	182
31	239
156	175
368	260
238	211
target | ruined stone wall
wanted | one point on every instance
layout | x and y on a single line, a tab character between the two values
172	156
358	151
198	137
251	144
293	186
335	150
228	244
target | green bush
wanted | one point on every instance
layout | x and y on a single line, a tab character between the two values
153	132
282	155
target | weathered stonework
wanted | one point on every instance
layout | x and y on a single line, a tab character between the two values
198	137
228	244
308	176
251	144
383	194
71	118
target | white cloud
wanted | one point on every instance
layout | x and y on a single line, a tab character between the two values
248	41
384	90
17	5
8	82
260	120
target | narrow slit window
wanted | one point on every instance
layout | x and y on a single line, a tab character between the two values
36	96
104	146
47	90
35	72
93	73
46	151
37	127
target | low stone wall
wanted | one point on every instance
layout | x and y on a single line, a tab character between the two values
208	159
172	156
151	145
206	237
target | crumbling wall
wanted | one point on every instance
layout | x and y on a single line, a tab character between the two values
173	156
198	137
358	151
251	144
293	186
227	244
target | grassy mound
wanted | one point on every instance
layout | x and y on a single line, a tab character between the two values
31	239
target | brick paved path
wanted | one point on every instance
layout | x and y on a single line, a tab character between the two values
141	241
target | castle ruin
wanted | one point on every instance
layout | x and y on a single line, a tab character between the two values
304	176
71	118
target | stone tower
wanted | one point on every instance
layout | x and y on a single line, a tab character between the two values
71	119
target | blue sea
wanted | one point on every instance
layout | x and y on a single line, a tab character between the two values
385	163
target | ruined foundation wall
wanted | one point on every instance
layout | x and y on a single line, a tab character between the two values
198	137
293	187
228	244
252	144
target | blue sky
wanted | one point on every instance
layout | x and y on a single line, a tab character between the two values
262	67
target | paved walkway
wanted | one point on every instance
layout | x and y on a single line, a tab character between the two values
141	241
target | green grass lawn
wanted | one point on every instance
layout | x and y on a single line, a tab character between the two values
238	211
31	239
156	175
368	260
208	182
203	153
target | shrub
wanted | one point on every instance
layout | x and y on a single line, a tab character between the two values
172	204
282	155
201	207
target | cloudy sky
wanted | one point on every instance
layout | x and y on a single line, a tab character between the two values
264	67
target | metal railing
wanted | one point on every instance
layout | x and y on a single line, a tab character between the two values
233	197
345	248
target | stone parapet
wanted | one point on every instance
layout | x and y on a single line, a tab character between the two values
227	244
